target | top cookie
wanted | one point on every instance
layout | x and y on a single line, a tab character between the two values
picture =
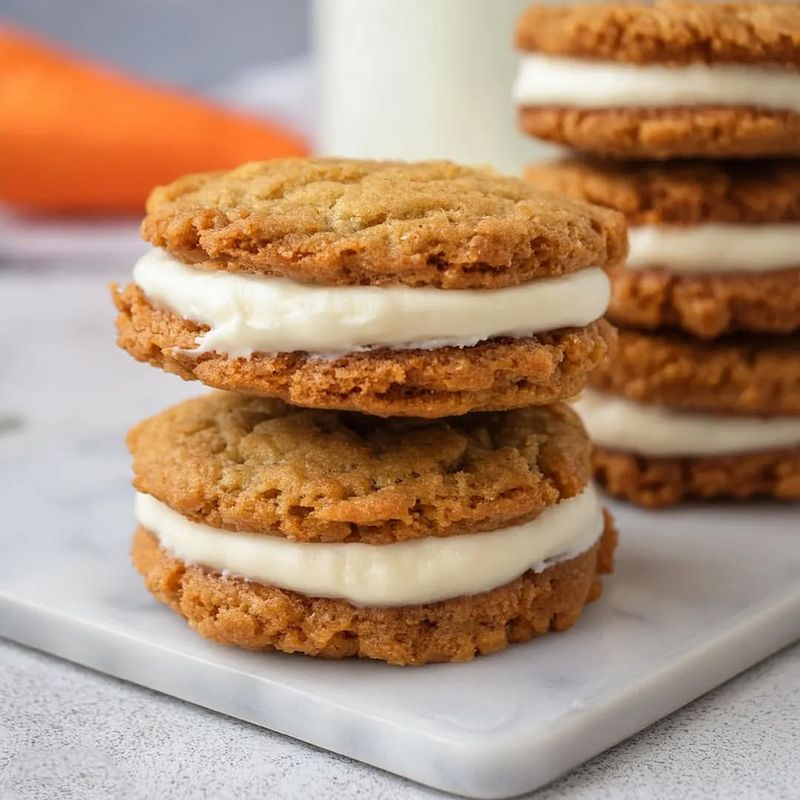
253	464
666	32
338	221
681	192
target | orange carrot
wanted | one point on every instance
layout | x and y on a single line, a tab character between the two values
77	137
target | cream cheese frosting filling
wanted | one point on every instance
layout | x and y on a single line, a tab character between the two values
249	313
715	247
620	424
403	573
559	81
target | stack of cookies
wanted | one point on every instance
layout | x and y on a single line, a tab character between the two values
688	116
389	471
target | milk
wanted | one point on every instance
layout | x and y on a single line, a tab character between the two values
415	79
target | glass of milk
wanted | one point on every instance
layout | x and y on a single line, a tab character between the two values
417	79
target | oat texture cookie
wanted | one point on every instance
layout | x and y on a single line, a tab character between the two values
714	246
736	375
661	447
389	288
664	79
658	481
338	534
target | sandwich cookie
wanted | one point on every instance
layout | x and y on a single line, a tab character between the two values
675	418
389	288
337	534
662	80
714	246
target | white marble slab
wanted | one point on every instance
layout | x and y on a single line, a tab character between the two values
699	594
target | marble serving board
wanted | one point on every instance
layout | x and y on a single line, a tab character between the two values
699	593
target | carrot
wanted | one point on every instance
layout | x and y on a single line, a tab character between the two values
77	137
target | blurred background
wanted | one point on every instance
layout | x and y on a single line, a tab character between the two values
197	44
76	76
100	101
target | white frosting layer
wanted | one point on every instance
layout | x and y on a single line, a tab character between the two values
404	573
712	247
561	81
248	313
620	424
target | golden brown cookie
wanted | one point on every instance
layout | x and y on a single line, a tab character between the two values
675	35
742	375
255	616
654	482
666	32
368	285
246	499
706	306
349	222
679	192
664	133
678	196
495	374
250	464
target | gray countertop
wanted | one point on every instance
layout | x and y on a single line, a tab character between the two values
68	732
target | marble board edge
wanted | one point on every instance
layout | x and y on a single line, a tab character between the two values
485	766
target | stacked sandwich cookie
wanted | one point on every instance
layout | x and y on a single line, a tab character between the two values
701	399
662	80
338	534
714	246
673	417
391	472
392	289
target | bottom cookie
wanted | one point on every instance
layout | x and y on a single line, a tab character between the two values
654	482
706	306
660	133
255	616
499	373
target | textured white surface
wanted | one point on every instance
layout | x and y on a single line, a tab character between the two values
66	397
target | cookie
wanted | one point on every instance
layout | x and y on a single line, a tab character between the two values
233	611
339	534
713	246
495	374
343	222
388	288
653	454
654	482
325	476
680	193
740	375
662	80
707	306
662	133
666	32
